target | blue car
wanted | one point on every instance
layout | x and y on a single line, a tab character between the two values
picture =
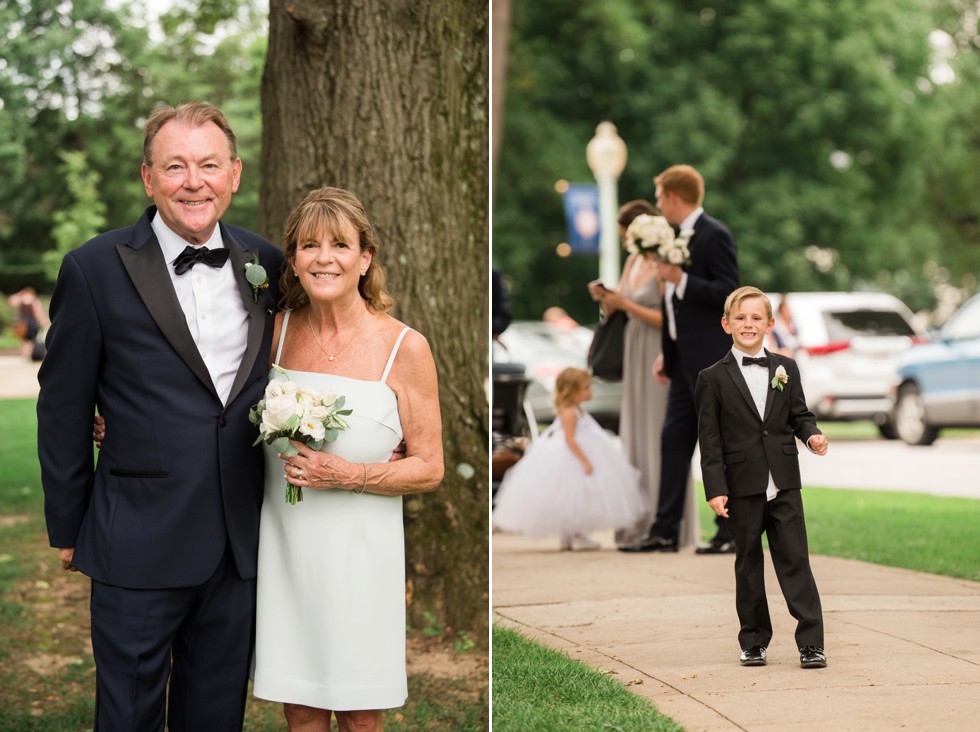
939	382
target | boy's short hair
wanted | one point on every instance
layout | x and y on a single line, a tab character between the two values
742	294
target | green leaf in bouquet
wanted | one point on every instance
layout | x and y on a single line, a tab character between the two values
292	424
284	446
339	401
330	434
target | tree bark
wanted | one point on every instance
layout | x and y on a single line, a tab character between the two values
389	100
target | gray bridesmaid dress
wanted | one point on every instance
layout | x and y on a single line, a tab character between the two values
642	415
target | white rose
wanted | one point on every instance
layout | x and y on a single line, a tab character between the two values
274	389
312	428
307	397
675	256
317	412
278	411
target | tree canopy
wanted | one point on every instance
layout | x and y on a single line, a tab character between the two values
80	77
825	142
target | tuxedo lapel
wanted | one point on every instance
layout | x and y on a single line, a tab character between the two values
731	366
239	255
695	239
143	260
770	392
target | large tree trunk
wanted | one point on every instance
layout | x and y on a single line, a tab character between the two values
389	99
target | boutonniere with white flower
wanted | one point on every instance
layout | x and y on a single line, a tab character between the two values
780	379
257	277
654	235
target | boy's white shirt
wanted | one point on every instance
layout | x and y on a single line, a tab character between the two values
757	379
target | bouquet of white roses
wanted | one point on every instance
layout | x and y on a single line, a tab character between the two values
290	412
654	234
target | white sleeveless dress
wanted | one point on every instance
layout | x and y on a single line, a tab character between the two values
330	616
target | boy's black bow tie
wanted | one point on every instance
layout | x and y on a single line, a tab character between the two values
761	361
192	255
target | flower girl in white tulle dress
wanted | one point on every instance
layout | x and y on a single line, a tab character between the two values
573	479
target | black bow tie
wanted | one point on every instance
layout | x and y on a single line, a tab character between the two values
761	361
192	255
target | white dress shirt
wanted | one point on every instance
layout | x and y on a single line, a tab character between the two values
757	379
669	287
212	305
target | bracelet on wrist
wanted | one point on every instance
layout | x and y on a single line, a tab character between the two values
364	483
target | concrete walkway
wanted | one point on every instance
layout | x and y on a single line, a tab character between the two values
903	647
18	377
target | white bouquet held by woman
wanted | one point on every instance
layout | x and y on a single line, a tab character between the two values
655	235
291	412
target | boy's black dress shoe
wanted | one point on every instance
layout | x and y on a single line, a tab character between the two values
717	547
753	656
651	544
812	657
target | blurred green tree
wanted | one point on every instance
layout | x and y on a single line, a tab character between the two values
81	220
82	76
809	121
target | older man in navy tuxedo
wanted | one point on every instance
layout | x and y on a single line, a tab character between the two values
156	327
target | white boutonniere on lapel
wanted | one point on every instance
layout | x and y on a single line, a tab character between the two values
780	379
257	277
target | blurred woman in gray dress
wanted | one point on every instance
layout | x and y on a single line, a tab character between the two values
644	402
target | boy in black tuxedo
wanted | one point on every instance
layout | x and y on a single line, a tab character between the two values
750	406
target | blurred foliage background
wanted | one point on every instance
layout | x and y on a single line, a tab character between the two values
77	79
838	140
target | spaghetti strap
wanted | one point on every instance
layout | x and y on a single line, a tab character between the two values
282	336
391	358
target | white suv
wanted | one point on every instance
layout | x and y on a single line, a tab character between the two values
849	347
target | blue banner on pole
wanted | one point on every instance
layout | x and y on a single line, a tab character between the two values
581	202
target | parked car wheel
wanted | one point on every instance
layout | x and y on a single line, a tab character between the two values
886	427
910	417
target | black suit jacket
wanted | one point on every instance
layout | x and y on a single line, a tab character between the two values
739	449
711	276
177	478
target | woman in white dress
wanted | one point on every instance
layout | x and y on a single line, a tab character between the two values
330	622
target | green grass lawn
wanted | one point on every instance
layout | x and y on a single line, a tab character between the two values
909	530
47	677
867	430
539	690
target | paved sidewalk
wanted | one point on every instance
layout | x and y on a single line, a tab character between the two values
903	647
18	377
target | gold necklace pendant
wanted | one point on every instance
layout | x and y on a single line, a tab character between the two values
316	338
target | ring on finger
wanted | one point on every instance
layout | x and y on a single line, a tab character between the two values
299	473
